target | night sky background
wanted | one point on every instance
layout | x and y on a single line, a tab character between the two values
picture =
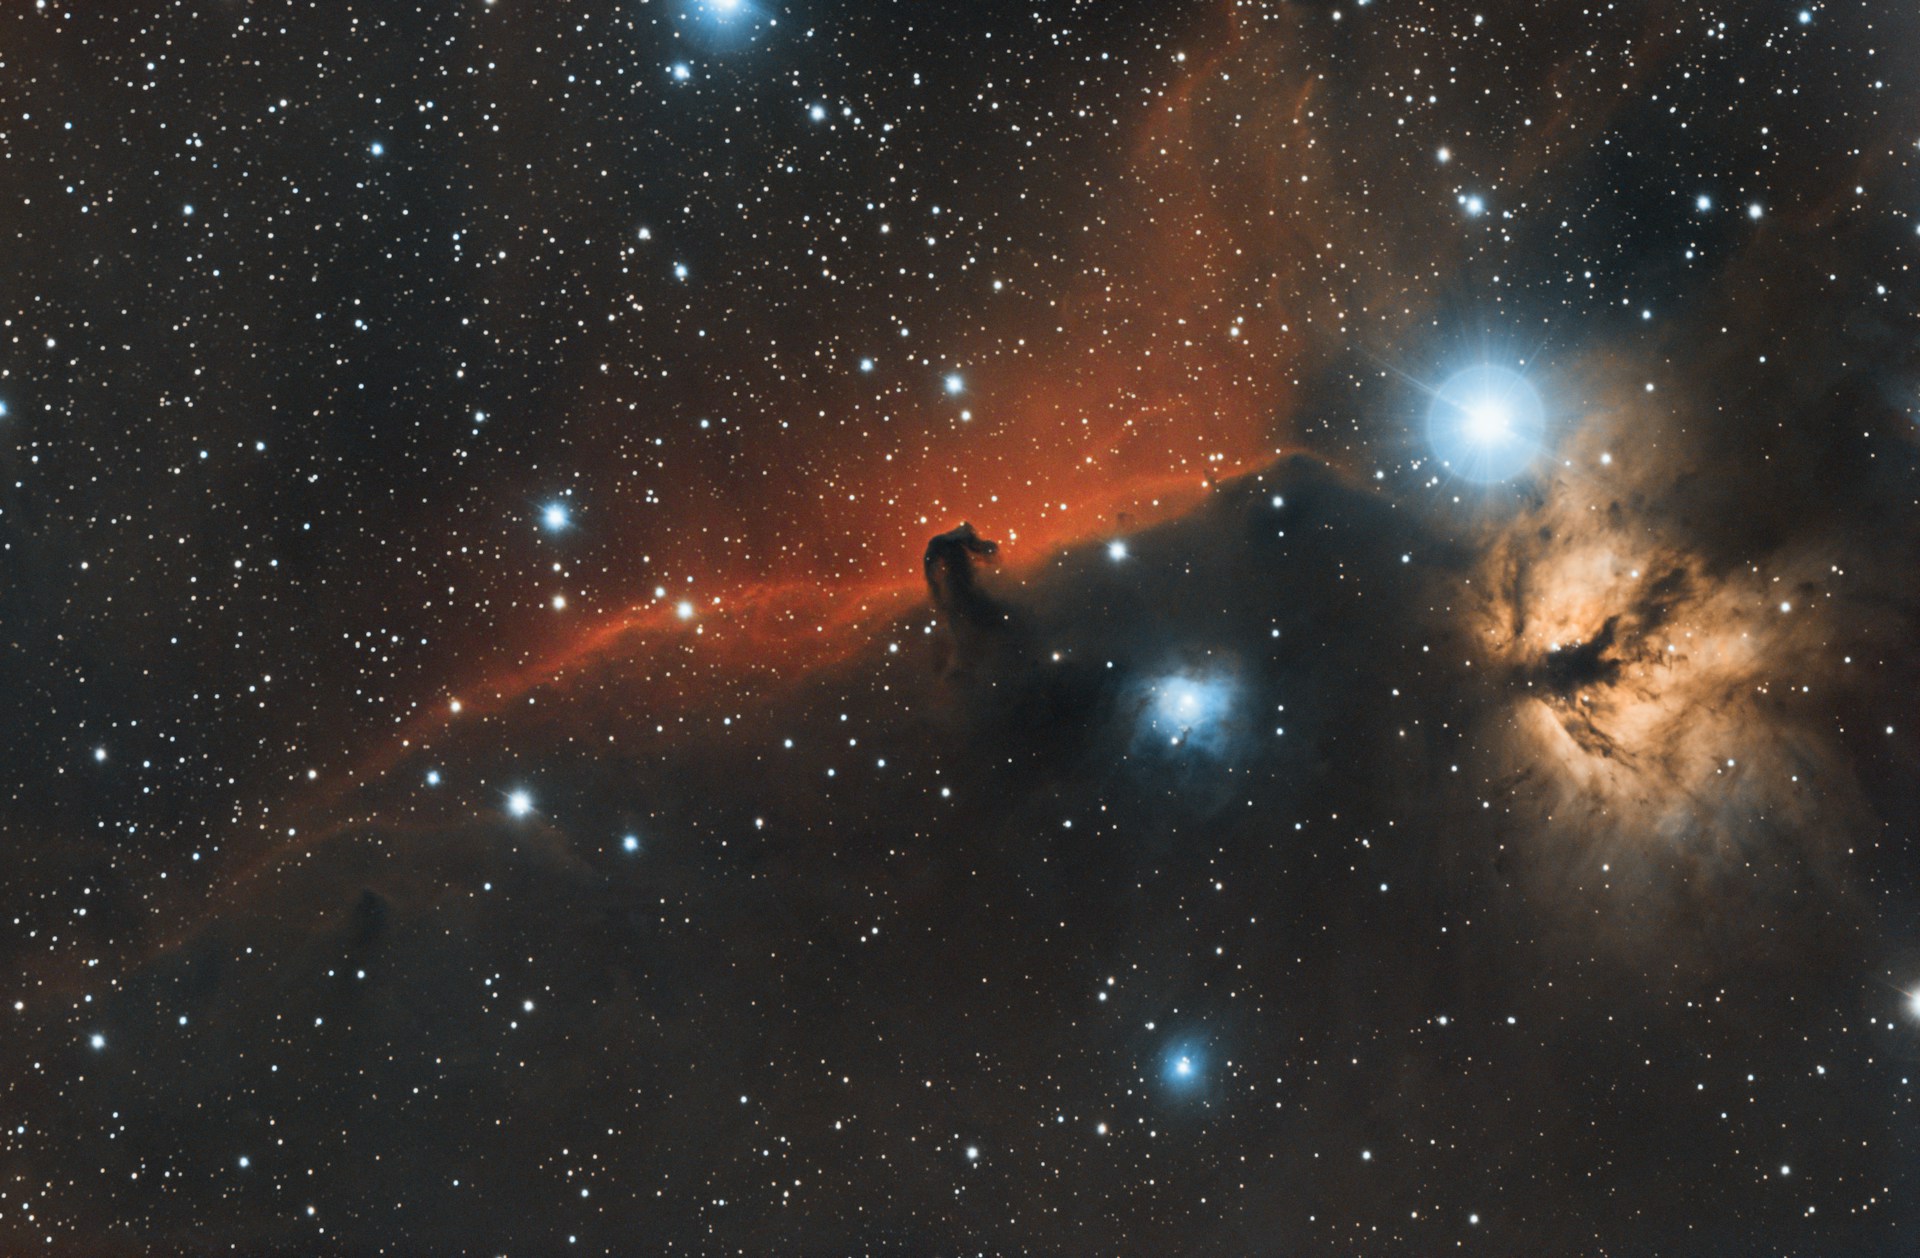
508	747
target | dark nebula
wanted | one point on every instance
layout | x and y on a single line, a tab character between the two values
486	776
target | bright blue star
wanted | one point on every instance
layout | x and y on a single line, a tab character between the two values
727	25
378	149
631	843
1487	423
955	384
1183	1066
554	516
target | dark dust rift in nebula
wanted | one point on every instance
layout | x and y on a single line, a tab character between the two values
730	627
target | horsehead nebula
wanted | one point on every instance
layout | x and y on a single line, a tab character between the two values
1237	627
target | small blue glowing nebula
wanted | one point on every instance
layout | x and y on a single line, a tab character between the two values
1187	711
1183	1066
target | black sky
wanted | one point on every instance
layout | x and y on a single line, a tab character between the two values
701	628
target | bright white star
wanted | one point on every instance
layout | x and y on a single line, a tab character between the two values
1487	420
1182	1065
1487	423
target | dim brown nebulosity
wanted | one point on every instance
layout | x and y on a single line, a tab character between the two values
1129	791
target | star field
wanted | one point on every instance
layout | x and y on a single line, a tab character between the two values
739	627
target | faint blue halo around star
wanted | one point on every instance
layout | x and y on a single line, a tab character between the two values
1487	423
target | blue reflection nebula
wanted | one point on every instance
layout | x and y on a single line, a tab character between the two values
724	25
1188	710
1183	1066
1487	423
